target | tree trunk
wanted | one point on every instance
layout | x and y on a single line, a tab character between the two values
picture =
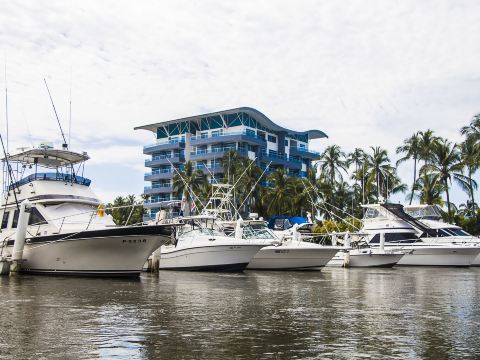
448	201
471	189
414	177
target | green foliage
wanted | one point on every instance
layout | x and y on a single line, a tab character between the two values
122	210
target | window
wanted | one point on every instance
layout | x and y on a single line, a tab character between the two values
272	139
217	133
15	219
395	237
286	142
250	132
203	135
35	217
302	146
6	214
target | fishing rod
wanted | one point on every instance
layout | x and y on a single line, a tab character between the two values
10	173
65	145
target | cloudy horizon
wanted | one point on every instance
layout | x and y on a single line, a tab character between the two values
366	73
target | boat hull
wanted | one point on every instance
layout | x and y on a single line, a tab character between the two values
291	258
385	260
110	252
439	256
212	257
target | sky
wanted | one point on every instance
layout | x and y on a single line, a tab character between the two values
368	73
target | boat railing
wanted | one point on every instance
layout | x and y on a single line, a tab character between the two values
51	177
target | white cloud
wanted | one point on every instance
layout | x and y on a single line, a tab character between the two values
367	73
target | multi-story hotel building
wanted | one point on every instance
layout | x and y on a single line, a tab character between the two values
205	139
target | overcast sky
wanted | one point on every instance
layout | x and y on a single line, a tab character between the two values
365	72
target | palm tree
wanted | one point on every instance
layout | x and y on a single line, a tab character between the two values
411	149
470	156
332	161
427	141
248	186
447	164
357	157
187	184
430	189
472	131
230	163
379	169
280	195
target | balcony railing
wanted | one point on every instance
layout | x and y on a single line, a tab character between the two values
301	149
174	141
157	186
217	150
244	133
281	157
162	171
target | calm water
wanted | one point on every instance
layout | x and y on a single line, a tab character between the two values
336	313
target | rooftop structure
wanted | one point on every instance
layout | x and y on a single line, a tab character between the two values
205	139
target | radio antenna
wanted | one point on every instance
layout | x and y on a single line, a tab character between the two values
65	145
6	100
70	113
10	173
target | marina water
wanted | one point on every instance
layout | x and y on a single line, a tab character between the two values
337	313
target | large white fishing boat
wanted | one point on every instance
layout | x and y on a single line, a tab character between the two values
446	233
399	231
67	232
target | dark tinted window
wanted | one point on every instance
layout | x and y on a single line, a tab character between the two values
15	219
35	217
395	237
5	219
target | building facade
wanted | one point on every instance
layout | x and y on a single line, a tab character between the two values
205	139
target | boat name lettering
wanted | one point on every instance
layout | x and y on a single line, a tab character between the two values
135	241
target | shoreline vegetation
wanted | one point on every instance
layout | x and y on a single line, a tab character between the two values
339	182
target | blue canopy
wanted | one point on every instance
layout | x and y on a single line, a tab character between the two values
285	222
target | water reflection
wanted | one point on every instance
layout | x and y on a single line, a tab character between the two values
336	313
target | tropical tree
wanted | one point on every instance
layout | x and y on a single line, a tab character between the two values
231	162
427	142
447	165
411	150
379	170
430	189
280	195
249	176
126	210
332	162
472	131
187	184
470	157
357	158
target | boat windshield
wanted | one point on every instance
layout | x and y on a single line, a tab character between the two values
257	232
455	232
201	231
375	213
430	212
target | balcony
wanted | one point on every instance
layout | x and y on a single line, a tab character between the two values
284	160
159	175
163	160
158	189
214	153
210	169
304	153
240	136
164	145
158	203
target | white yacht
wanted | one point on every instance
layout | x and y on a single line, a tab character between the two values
400	232
67	232
446	233
201	246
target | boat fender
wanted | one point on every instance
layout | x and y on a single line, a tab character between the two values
101	210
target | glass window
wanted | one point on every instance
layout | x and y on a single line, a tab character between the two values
35	217
272	139
204	135
15	219
6	214
286	142
217	133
